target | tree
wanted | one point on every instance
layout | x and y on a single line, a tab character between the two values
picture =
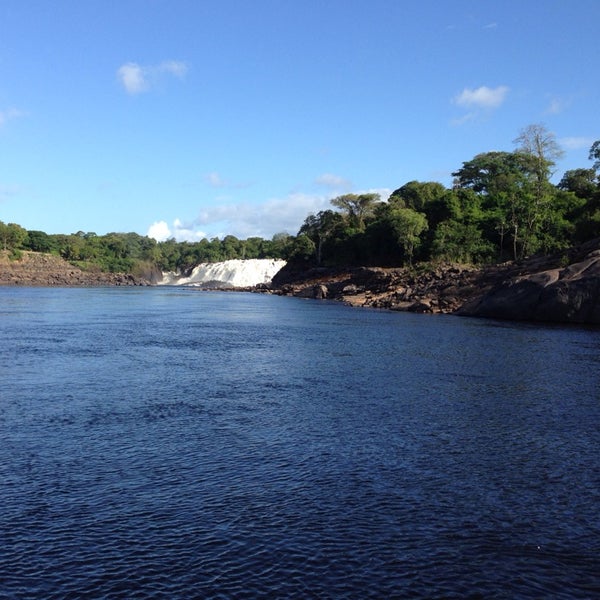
539	143
12	236
302	248
460	242
319	228
40	241
408	225
595	154
579	181
418	195
503	180
357	207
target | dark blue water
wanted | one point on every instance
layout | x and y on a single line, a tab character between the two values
170	443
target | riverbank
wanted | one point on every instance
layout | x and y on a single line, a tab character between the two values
47	270
562	288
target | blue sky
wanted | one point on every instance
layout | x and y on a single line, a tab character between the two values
202	118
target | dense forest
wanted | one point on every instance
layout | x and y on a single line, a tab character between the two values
502	206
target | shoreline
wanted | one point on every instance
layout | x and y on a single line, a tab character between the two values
555	289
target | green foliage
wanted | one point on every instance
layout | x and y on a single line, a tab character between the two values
357	207
595	154
39	241
12	236
408	225
501	205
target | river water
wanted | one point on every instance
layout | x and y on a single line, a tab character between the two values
171	443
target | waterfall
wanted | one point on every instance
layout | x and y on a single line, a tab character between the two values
230	273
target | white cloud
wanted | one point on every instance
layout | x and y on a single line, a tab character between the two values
186	232
181	232
263	220
9	114
132	77
245	219
482	97
576	143
332	181
159	230
137	78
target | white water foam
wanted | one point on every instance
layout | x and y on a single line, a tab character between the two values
230	273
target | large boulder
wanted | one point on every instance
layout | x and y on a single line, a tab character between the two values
568	295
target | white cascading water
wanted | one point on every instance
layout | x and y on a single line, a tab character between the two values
230	273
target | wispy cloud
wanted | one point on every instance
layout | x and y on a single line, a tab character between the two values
333	181
557	105
9	114
576	143
272	216
216	180
491	26
245	219
137	79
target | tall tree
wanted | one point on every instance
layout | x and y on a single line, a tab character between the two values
408	225
12	236
319	227
503	179
357	207
595	154
541	147
539	143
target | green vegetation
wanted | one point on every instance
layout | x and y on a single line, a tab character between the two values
501	206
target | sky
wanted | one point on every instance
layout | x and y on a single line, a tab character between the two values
188	119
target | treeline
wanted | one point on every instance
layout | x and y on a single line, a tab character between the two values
501	206
134	253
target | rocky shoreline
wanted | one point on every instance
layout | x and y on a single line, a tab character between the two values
563	288
46	270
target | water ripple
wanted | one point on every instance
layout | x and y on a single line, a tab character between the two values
285	456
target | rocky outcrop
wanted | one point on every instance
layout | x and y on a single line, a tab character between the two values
561	288
36	269
564	295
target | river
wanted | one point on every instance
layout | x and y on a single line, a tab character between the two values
171	443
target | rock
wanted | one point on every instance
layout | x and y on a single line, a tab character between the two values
570	295
424	305
36	269
316	292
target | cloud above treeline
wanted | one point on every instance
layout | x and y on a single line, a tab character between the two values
137	79
482	97
333	181
479	101
244	220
